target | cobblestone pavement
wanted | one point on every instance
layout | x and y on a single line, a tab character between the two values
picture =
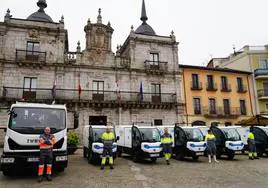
237	173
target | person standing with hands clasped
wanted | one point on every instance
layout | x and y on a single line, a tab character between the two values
211	145
46	143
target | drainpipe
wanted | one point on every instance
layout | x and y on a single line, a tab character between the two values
187	121
251	107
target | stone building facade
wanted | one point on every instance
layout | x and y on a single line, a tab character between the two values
141	81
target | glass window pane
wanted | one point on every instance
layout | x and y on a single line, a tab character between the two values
29	46
33	84
153	89
36	47
95	86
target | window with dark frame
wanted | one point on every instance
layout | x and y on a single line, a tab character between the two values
243	109
210	82
226	106
212	106
224	83
98	87
154	58
263	64
240	84
197	106
29	87
33	48
195	81
156	90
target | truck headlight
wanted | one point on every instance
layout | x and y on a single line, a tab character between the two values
61	158
146	146
7	160
97	147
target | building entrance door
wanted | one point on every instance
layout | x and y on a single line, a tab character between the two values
97	120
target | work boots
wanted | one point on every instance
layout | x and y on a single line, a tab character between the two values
102	167
168	162
251	158
111	167
49	178
40	179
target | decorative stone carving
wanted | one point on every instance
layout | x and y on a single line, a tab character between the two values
33	33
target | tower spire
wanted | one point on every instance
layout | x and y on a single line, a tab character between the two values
144	17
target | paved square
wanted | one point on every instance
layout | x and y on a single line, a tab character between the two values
237	173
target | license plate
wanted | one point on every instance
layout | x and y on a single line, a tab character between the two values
36	159
154	155
238	152
199	153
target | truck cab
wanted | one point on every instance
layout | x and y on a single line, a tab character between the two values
261	139
26	122
140	141
92	141
187	141
228	140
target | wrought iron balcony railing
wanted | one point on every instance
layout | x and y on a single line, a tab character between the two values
221	112
196	86
212	87
262	93
25	56
155	65
242	89
17	93
226	88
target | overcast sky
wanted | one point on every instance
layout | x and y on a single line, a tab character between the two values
204	28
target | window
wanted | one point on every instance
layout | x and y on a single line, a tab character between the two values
263	64
210	81
266	105
29	88
98	87
197	106
29	84
212	106
224	83
154	57
33	48
98	90
240	84
156	93
226	106
243	109
158	122
195	81
156	89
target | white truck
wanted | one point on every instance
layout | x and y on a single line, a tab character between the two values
25	124
139	140
228	140
93	146
187	141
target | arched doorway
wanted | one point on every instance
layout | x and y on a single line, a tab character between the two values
198	123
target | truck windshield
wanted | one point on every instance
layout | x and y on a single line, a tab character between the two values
231	134
97	134
194	134
31	120
150	135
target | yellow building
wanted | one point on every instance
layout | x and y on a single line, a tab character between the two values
216	95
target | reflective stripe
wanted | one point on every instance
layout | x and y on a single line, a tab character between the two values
107	136
49	169
40	170
166	139
209	137
42	144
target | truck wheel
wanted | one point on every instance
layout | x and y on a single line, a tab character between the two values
179	156
230	156
135	157
195	157
85	152
89	157
154	160
7	173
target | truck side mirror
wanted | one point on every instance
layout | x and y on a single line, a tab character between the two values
117	138
76	120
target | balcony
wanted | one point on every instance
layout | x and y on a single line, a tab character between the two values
261	74
102	99
262	94
155	67
242	89
220	112
30	57
212	87
226	88
196	86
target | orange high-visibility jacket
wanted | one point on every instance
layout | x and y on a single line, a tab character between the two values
46	141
